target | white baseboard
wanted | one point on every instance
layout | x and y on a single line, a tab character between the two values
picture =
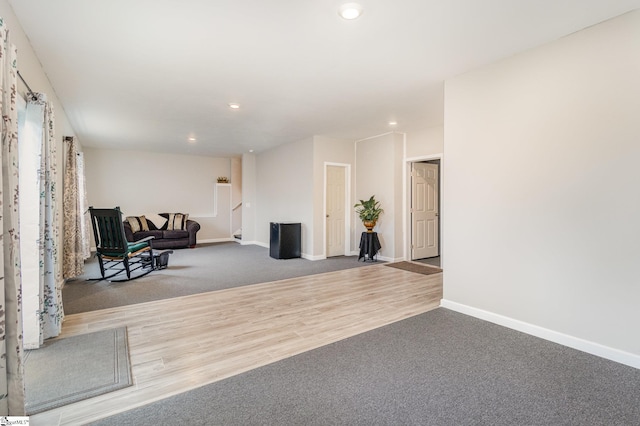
592	348
391	259
310	257
266	245
215	240
379	257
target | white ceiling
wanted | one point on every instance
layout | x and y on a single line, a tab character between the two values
148	74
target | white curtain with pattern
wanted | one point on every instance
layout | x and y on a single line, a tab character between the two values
84	208
51	310
73	251
11	348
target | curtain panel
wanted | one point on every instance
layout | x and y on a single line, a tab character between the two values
30	133
51	310
73	251
84	207
39	224
11	348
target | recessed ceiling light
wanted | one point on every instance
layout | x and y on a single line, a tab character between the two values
192	139
234	106
393	123
250	150
350	10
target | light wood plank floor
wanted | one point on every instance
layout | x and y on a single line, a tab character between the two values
183	343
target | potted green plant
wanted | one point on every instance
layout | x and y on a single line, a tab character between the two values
369	211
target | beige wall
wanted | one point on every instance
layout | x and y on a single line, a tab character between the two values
145	183
382	168
236	194
284	190
249	183
334	151
379	165
424	142
542	210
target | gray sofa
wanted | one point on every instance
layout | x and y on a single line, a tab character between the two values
164	238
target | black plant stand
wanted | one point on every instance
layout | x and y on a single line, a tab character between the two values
369	246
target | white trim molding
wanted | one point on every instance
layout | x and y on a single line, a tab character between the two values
312	258
592	348
261	244
215	240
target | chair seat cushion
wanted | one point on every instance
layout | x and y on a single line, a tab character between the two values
175	234
134	247
131	248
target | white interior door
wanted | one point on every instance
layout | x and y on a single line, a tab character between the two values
424	210
335	211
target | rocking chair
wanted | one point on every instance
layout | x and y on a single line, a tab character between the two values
115	254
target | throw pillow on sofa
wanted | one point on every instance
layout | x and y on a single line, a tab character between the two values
177	221
137	223
158	221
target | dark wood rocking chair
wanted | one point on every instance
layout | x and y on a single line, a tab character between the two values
115	254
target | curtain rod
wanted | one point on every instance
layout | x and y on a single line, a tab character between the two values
33	95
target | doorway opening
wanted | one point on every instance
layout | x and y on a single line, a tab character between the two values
424	211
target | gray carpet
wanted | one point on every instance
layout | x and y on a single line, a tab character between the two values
208	267
438	368
74	368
